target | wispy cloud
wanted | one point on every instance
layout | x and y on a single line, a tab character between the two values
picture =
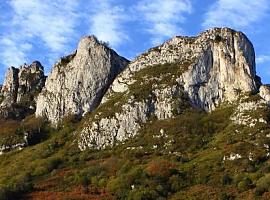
235	13
15	53
53	25
107	22
163	18
49	22
263	58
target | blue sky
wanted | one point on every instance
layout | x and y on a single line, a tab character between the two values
45	30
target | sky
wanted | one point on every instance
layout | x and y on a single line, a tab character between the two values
46	30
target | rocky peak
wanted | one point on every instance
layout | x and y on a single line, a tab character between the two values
78	81
31	79
221	66
87	42
10	87
21	85
35	67
216	66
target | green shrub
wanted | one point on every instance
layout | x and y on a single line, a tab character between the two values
225	196
244	184
119	187
16	187
143	193
263	185
46	165
176	183
226	179
53	163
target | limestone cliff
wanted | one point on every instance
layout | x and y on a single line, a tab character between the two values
10	87
216	66
222	64
78	81
265	92
20	88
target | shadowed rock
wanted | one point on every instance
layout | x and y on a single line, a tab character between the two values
20	88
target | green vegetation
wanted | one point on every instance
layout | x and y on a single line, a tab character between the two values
13	132
160	75
194	155
112	106
179	158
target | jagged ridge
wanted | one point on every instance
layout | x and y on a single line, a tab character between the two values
177	148
20	88
214	67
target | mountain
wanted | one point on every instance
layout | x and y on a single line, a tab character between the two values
203	71
188	119
78	81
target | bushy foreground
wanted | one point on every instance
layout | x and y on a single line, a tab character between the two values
193	156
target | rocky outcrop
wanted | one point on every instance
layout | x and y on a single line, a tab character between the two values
108	131
265	92
222	65
216	66
9	89
244	110
31	80
78	82
20	88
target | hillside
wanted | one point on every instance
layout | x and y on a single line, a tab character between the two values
188	119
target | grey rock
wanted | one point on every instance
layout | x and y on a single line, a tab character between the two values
78	81
265	93
31	80
9	89
108	131
222	66
21	86
217	66
243	113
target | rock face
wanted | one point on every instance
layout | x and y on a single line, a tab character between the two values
20	87
204	71
222	65
243	113
10	87
265	92
108	130
78	82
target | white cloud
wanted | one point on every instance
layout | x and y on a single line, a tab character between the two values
262	59
39	21
15	55
51	21
53	26
163	18
107	23
235	13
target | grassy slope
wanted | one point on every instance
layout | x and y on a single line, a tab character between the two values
179	158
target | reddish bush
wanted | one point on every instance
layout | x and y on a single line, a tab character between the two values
162	168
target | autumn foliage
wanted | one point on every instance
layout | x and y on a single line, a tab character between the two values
161	168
